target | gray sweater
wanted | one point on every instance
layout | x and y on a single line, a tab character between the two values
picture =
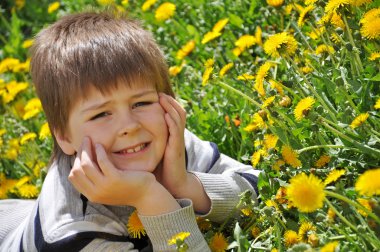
64	220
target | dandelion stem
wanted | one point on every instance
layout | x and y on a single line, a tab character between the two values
320	146
341	216
350	38
302	36
24	167
353	203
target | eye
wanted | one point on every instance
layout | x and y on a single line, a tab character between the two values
141	104
100	115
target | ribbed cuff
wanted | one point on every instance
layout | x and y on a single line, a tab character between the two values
163	227
223	193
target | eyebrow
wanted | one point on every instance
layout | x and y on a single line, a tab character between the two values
97	106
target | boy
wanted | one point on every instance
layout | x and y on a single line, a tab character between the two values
120	144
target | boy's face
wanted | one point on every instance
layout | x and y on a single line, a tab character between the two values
128	121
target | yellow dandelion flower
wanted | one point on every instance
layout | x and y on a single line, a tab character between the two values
257	143
37	168
360	2
274	250
275	3
186	50
22	67
303	107
371	30
317	32
335	38
305	229
377	105
32	108
268	101
134	226
290	238
374	56
44	131
270	141
7	64
366	204
371	24
313	240
334	175
209	63
203	224
281	195
255	231
359	120
218	27
237	51
218	243
165	11
256	156
53	7
336	20
27	191
256	123
279	163
180	236
304	14
245	42
225	69
246	211
324	49
290	156
6	186
211	35
258	36
28	136
245	77
322	161
175	70
330	215
280	44
12	89
288	9
259	87
27	43
2	132
206	75
272	203
367	184
306	192
277	86
307	69
147	4
105	2
334	5
330	247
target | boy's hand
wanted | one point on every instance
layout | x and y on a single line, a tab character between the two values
172	174
101	182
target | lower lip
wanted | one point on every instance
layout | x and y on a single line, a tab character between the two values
133	154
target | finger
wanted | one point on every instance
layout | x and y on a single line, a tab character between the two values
78	178
87	163
105	164
174	132
173	109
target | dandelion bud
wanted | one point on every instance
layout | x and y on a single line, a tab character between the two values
313	240
285	101
263	114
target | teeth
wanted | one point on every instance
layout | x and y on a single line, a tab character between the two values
138	148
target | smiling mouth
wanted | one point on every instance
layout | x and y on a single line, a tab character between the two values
134	149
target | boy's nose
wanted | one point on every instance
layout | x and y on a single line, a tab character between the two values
128	124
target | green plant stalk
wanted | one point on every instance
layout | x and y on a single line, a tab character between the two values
375	153
351	39
311	88
24	167
348	133
341	216
319	147
354	204
302	36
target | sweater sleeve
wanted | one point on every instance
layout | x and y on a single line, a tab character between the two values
163	227
222	177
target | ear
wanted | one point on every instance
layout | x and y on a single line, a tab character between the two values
65	143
